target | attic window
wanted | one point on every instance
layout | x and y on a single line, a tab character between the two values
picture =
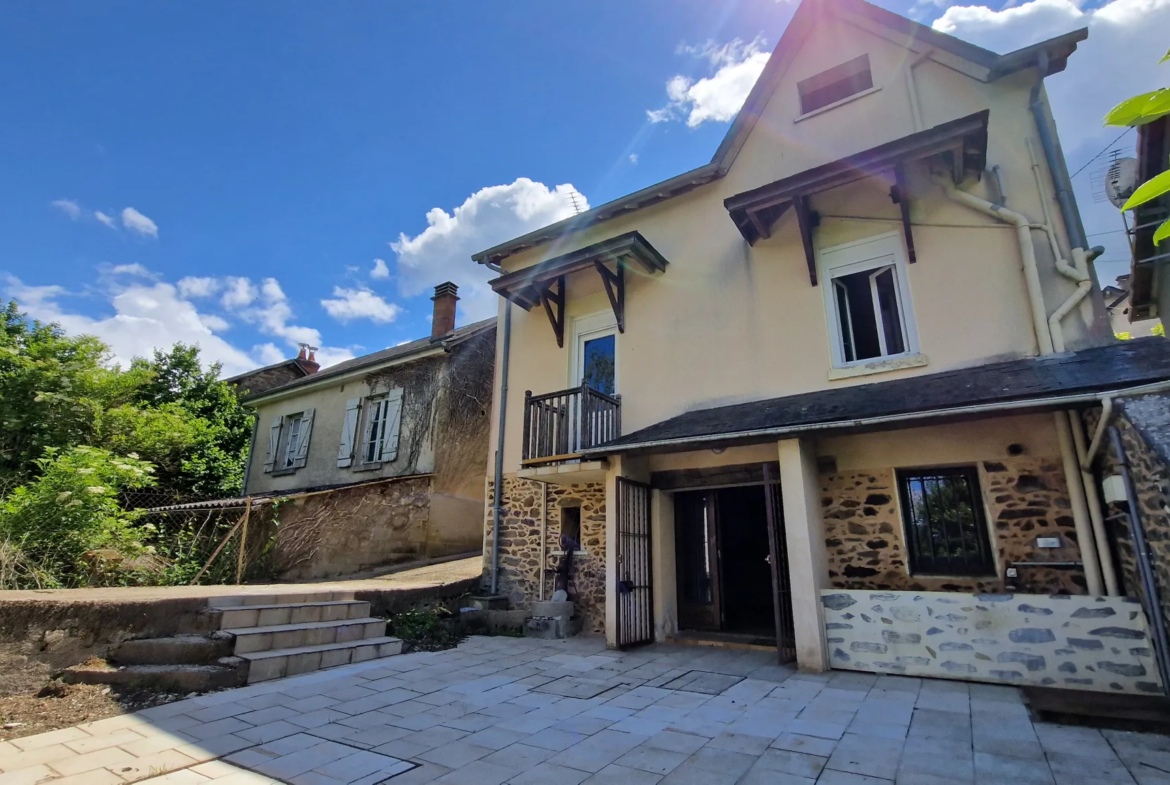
836	84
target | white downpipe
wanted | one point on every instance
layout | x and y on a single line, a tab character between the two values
1086	539
1102	425
1078	271
543	536
912	89
1096	511
1027	252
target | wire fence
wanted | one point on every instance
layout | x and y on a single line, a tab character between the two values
225	544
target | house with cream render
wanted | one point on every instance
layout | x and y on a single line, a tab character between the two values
837	391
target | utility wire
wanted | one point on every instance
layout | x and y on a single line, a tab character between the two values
1098	155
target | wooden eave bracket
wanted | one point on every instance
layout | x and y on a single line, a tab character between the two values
615	289
901	197
807	220
554	306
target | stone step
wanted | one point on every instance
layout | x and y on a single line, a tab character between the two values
226	672
238	600
278	663
299	613
289	636
177	650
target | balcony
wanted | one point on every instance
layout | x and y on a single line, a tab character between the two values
559	425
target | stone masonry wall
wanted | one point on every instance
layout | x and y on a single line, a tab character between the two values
1024	498
325	535
1080	643
1151	478
520	545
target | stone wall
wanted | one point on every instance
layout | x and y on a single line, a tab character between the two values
341	532
520	545
1084	643
1141	436
1024	498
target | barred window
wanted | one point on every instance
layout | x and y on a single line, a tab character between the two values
946	533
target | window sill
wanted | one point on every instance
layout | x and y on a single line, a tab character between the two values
835	104
282	472
878	366
366	467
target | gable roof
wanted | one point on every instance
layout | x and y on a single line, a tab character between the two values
986	65
367	362
1030	384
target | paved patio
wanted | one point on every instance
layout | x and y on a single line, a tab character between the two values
505	710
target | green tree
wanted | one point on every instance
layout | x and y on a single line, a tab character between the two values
1140	110
177	383
71	510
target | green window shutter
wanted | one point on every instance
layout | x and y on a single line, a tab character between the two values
273	442
393	425
349	428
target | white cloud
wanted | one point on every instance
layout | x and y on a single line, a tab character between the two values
634	158
193	286
131	269
142	315
69	207
352	304
137	222
107	220
238	293
492	215
1126	40
145	317
380	269
735	67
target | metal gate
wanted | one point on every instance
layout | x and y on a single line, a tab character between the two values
778	559
635	595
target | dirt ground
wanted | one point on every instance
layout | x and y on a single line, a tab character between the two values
32	702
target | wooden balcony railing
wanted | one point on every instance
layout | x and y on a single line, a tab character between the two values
559	425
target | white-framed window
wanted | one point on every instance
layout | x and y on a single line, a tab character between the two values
369	433
867	301
594	355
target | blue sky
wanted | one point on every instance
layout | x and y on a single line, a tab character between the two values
228	173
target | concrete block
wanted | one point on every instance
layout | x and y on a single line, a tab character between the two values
177	650
238	617
497	602
304	614
272	616
266	669
357	610
350	632
554	609
336	657
303	663
246	644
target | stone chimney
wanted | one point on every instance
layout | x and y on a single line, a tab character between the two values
307	359
443	320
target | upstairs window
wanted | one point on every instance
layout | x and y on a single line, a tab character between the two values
946	533
836	84
868	302
294	439
376	430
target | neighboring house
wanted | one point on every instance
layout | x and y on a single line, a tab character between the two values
394	442
826	390
1117	302
263	379
1149	276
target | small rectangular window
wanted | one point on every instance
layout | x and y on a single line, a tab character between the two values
836	84
570	528
946	533
293	442
375	433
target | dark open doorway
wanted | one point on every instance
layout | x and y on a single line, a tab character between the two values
724	575
747	576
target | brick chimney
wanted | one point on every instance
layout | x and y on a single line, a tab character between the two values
307	359
443	320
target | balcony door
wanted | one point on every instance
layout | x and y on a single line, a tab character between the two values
595	353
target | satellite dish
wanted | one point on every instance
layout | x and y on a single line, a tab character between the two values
1121	180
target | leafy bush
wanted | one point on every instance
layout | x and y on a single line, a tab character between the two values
426	629
71	510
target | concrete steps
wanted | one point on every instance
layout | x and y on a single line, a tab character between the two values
287	634
188	677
